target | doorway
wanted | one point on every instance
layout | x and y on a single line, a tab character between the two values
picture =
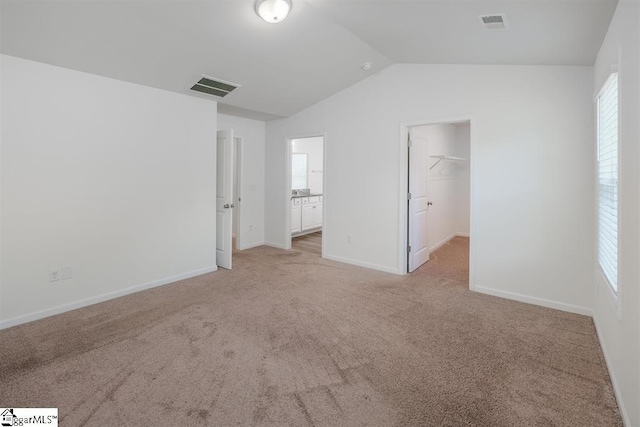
224	198
228	196
437	175
306	194
237	186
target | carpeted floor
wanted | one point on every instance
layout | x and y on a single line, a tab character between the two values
288	338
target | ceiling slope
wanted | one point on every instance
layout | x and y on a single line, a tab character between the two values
167	44
540	32
315	53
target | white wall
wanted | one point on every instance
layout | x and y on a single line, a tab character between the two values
314	149
448	183
463	192
619	326
532	172
252	133
112	178
236	196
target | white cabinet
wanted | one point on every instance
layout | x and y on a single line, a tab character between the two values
307	216
296	216
316	215
311	216
306	213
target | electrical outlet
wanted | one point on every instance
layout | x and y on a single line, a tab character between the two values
66	272
54	275
349	238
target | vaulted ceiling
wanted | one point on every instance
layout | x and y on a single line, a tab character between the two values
315	53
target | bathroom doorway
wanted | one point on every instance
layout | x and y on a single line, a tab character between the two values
306	194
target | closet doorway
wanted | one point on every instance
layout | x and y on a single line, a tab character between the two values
306	194
228	197
438	182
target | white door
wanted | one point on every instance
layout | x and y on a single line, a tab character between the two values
418	203
224	198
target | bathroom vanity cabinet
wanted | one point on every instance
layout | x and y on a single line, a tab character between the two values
306	214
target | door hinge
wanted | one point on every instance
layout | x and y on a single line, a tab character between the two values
409	196
408	248
409	143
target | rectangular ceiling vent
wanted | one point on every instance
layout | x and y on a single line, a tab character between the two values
494	21
213	86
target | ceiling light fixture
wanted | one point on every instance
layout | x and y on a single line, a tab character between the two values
273	11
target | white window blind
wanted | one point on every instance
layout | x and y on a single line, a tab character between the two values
608	180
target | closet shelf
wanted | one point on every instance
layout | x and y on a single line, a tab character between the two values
443	158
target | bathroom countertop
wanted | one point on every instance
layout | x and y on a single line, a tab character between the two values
307	195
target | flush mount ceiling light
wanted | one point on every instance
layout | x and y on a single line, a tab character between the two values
273	11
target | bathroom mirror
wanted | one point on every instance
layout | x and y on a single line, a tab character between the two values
298	171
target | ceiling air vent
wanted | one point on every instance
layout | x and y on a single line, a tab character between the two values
213	86
494	22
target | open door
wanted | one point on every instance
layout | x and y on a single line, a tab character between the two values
418	203
224	199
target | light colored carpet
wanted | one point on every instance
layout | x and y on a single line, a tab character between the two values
288	338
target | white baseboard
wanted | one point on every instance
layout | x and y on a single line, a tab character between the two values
535	301
251	245
100	298
614	382
274	245
363	264
446	240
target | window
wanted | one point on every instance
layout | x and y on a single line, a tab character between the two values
608	180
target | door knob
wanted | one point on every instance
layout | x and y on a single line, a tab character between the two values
429	203
226	206
232	206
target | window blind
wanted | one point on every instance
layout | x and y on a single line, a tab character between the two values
608	180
